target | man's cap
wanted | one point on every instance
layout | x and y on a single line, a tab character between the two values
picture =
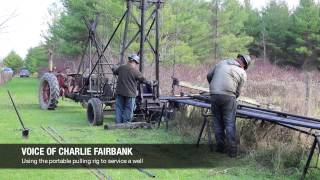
246	59
135	58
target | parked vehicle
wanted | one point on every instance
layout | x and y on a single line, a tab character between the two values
7	70
24	73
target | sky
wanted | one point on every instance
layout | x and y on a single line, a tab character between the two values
261	3
24	30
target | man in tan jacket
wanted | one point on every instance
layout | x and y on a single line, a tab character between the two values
226	80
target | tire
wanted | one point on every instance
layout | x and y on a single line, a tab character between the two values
48	91
95	112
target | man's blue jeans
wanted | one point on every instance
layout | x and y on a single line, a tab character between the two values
124	108
224	119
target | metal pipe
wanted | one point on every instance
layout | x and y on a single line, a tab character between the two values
82	57
151	46
279	113
136	21
124	41
131	41
90	63
142	35
150	17
157	54
105	48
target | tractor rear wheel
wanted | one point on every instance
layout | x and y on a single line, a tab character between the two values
48	91
95	112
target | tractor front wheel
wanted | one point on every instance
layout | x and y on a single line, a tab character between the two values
95	112
48	91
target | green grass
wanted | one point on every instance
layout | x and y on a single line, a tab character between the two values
69	119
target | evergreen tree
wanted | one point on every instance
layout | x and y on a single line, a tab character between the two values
195	30
229	31
276	21
186	30
306	34
69	33
254	27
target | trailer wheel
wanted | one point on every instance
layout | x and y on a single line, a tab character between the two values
48	91
95	112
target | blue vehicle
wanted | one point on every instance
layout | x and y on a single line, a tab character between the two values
7	70
24	73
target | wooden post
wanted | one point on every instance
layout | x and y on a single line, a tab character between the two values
264	46
307	92
1	77
129	125
50	61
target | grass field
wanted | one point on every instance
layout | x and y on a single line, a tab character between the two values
69	119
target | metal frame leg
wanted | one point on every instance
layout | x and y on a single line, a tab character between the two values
162	111
313	147
209	135
201	130
167	125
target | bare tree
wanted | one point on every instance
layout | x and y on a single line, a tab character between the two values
7	18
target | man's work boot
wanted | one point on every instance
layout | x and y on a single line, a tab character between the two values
233	152
220	149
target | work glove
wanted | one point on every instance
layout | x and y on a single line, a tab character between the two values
148	83
114	68
155	82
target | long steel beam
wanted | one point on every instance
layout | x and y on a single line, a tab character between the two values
255	113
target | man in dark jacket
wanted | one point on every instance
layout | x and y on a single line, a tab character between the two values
226	80
128	78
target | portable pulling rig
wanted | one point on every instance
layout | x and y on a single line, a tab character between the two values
94	84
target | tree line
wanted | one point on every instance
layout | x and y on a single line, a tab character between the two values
36	57
198	31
